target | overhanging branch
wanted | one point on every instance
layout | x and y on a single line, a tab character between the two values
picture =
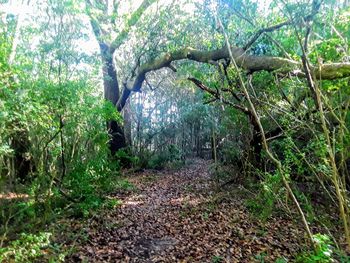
245	61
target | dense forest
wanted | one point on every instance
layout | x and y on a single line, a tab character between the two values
174	131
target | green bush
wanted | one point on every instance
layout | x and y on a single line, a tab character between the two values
171	155
126	159
322	254
270	189
28	248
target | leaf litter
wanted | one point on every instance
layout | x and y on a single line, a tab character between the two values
180	216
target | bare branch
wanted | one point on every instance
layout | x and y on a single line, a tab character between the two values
304	20
217	96
266	30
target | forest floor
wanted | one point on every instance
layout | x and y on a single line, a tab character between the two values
182	216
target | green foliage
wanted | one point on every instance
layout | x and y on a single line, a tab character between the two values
270	190
125	158
281	260
171	154
217	259
293	160
223	173
261	257
323	252
89	183
307	207
56	109
157	161
28	248
52	113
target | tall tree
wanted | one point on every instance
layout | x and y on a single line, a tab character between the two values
103	16
103	20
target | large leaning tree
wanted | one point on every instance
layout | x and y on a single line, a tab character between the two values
112	32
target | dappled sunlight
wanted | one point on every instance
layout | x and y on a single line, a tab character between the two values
134	200
131	203
13	196
186	200
174	131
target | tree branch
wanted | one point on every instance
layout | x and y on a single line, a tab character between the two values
266	30
135	17
315	8
248	62
217	96
245	61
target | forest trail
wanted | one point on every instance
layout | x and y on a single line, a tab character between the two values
177	216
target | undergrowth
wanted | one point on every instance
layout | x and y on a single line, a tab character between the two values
25	234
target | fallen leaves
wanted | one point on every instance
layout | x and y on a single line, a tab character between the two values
178	217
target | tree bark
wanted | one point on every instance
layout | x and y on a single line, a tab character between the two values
20	143
22	164
111	93
107	49
127	124
250	63
243	60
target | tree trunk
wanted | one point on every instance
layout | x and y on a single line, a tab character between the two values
214	147
256	146
22	164
111	93
20	143
127	123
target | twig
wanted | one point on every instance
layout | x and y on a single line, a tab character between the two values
264	142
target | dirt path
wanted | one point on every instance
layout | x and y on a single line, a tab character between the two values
177	217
